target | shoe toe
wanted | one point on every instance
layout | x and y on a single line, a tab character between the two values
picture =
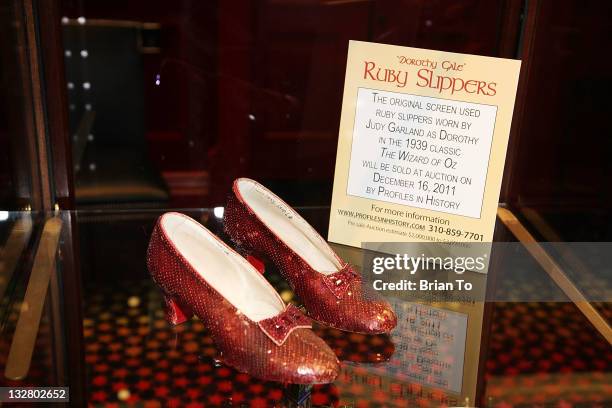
304	358
319	372
321	366
377	317
387	320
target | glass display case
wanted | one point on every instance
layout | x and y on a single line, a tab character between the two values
113	113
528	352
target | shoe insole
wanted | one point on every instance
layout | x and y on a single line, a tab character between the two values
222	268
289	226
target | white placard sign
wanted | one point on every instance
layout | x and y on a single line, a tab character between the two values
431	153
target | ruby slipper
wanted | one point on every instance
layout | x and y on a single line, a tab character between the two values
248	321
264	225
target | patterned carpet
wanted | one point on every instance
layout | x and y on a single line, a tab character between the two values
135	358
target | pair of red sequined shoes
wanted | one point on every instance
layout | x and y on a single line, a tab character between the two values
251	325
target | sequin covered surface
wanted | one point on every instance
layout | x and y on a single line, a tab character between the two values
338	299
294	355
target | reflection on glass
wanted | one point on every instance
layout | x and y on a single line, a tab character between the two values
16	117
29	318
105	87
188	96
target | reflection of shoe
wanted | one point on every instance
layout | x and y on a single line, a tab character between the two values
357	347
250	324
263	224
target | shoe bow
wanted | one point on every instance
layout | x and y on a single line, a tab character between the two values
339	282
279	327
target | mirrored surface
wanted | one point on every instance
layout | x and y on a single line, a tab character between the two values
521	353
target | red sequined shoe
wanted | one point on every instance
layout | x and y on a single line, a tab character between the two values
248	321
264	225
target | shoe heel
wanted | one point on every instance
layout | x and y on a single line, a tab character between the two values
175	313
251	258
257	263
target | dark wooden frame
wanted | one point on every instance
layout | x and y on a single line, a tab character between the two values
525	51
55	97
52	176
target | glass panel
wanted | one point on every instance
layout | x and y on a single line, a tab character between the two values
563	170
133	355
16	120
169	102
32	328
537	352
